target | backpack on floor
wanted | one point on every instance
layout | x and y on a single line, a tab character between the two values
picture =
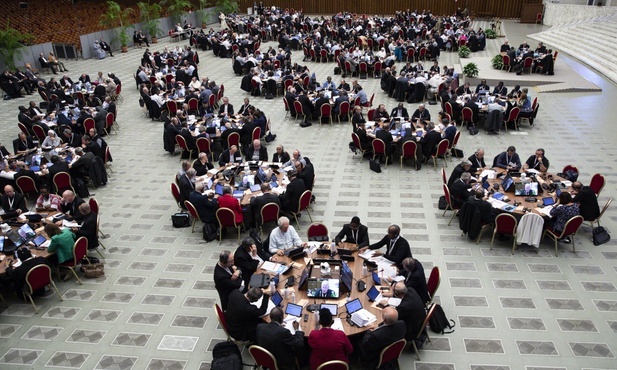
210	231
439	322
226	356
181	219
600	235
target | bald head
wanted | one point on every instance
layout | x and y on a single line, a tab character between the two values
390	315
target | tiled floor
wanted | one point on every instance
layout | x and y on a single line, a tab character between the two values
154	307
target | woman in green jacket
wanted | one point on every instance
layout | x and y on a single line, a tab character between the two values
62	242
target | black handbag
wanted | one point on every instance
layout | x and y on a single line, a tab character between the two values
181	220
600	235
375	165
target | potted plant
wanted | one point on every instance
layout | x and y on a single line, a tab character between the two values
177	7
11	45
464	51
497	61
471	70
227	6
149	14
490	33
118	18
203	12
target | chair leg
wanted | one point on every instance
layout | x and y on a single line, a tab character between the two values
72	269
493	238
413	343
452	217
99	253
36	310
297	223
56	289
309	213
238	233
193	226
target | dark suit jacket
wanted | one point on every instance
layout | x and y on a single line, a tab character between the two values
291	196
206	207
280	342
459	192
224	285
18	274
226	157
88	229
283	158
307	174
397	253
186	187
411	310
588	203
374	341
230	109
404	113
246	134
502	160
73	209
202	169
387	138
417	280
248	265
456	174
347	233
243	317
73	141
19	202
263	153
258	202
429	143
81	167
19	145
476	163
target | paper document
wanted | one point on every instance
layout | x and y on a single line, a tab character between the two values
275	268
366	254
288	323
337	324
489	173
258	304
66	223
545	211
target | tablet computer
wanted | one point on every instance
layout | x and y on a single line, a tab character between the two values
353	306
277	299
218	189
40	239
332	307
372	294
255	188
548	201
293	309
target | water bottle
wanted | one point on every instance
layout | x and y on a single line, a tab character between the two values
293	297
272	287
333	248
285	291
316	316
364	270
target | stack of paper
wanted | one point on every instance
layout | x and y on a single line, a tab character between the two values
367	254
288	323
363	317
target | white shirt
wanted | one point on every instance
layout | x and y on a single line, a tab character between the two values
281	241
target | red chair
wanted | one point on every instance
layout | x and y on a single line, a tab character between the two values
423	54
220	315
570	229
263	358
344	110
434	280
212	100
288	83
597	220
442	149
348	68
203	146
233	139
181	141
527	63
391	353
269	213
227	218
377	69
168	78
109	123
256	134
255	88
172	107
317	232
370	101
27	185
358	144
453	145
512	117
370	114
506	63
334	364
448	108
286	106
43	95
539	18
444	177
107	160
408	150
62	182
325	111
88	124
299	110
467	115
193	212
23	128
193	105
313	56
411	54
118	95
303	204
597	183
570	167
94	207
356	102
379	147
175	192
80	251
446	193
505	224
36	278
363	69
39	133
423	330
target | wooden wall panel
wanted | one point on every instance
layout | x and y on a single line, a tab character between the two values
502	9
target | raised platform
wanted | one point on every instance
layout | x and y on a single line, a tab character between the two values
565	78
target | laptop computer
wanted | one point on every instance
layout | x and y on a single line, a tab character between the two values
26	232
332	307
9	215
238	194
255	188
39	240
353	306
515	173
372	294
507	183
15	238
295	253
293	309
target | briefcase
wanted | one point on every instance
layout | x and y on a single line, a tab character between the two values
375	165
259	280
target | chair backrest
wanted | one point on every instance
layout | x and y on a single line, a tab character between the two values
427	318
572	226
88	124
193	103
377	67
171	106
446	193
467	114
506	60
444	176
220	315
608	203
448	107
256	133
391	352
305	200
356	101
317	230
344	108
233	139
356	141
325	110
80	249
335	364
457	136
569	167
363	67
39	132
181	141
109	120
370	101
410	52
442	147
23	128
434	280
379	147
192	210
38	277
175	192
286	103
212	100
298	107
269	212
409	149
597	183
203	144
94	205
505	223
62	181
26	185
370	114
263	357
226	217
288	83
527	62
514	114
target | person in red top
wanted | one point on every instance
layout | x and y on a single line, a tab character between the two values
328	344
228	201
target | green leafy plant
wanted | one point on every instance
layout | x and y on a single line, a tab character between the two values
490	33
11	45
203	11
149	13
177	7
227	6
116	17
464	51
471	70
497	61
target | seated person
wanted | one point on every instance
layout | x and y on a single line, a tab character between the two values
564	210
500	89
414	277
47	201
421	114
257	152
400	111
463	89
18	274
378	337
230	156
353	232
248	257
284	237
508	160
477	161
586	199
280	156
327	344
279	341
487	212
12	201
227	200
537	162
483	88
88	228
227	277
462	167
242	316
202	164
459	191
381	113
62	242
